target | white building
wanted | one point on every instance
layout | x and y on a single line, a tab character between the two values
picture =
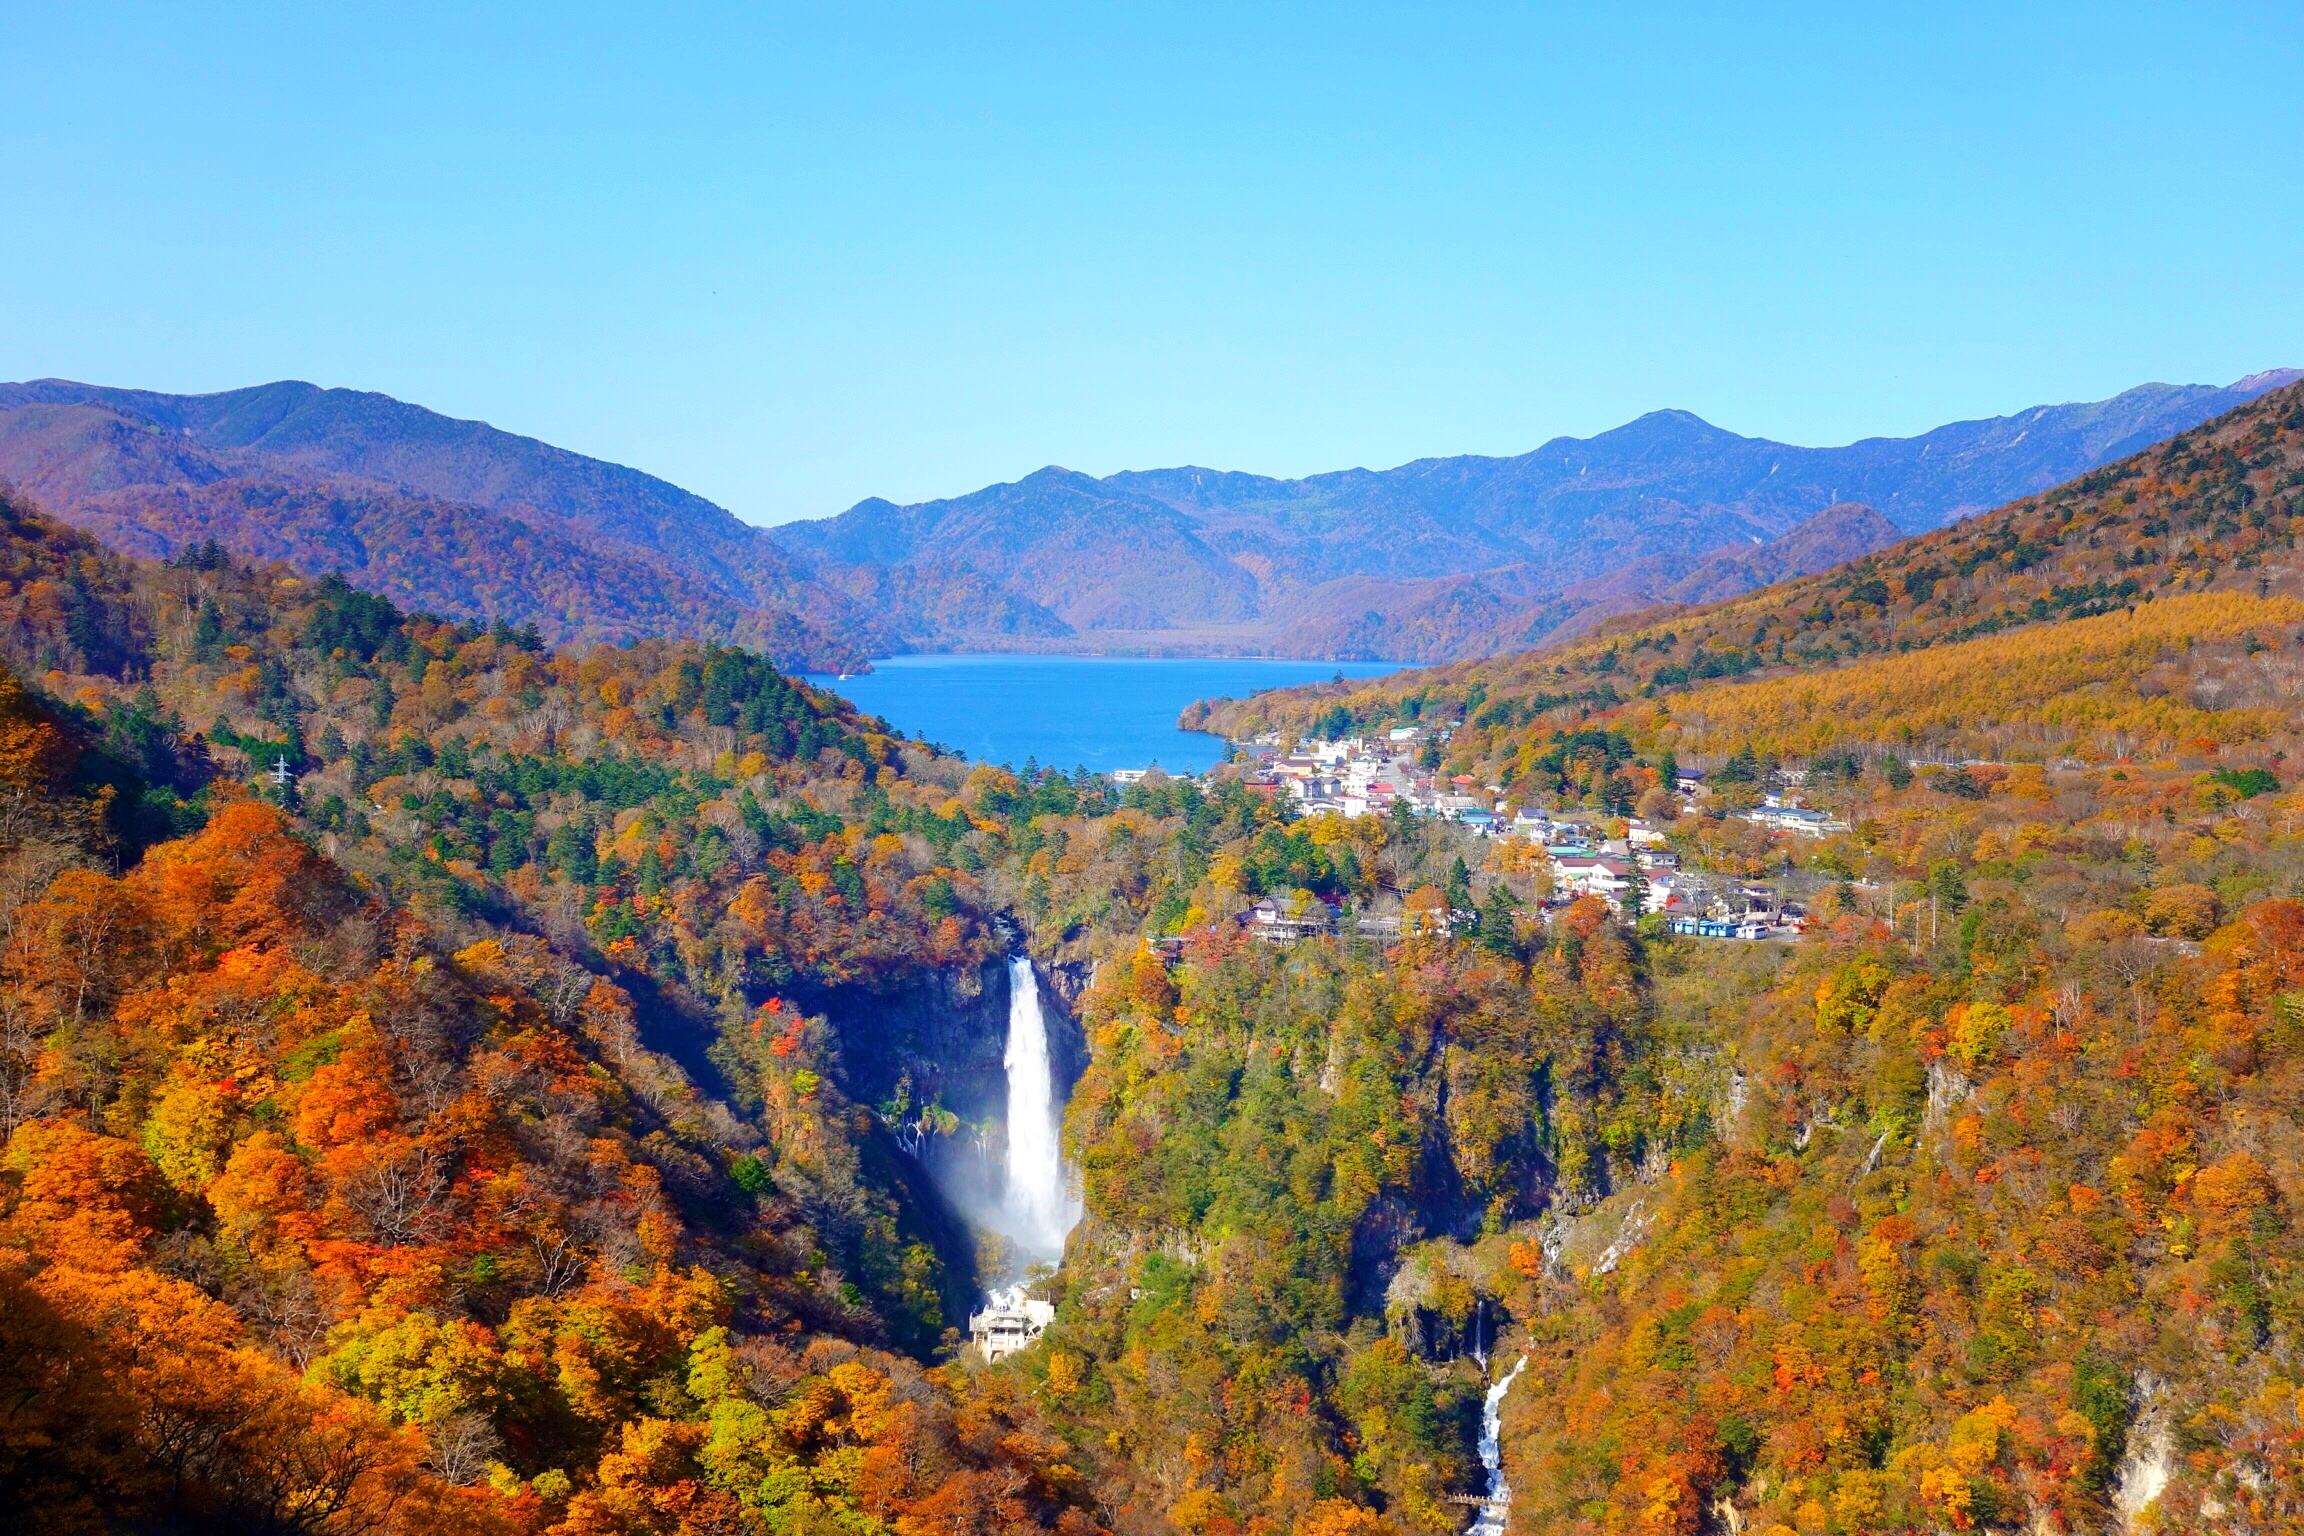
1284	922
1005	1327
1790	818
1585	875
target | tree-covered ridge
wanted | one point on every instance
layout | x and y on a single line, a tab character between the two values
2217	667
1298	1165
452	516
2192	676
525	877
2214	509
1978	1210
511	882
470	768
1972	1211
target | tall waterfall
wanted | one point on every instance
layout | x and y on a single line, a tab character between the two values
1037	1206
1490	1521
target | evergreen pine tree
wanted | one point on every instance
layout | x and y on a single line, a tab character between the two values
1497	925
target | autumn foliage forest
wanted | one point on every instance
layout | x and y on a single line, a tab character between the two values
494	1118
332	1205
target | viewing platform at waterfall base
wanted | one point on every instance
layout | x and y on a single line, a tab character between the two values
1007	1326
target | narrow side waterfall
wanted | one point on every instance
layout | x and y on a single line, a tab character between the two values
1037	1203
1490	1520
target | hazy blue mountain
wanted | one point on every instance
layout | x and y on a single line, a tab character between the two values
1917	482
1442	557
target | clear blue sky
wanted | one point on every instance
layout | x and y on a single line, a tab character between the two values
792	256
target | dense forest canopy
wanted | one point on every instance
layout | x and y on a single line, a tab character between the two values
451	1084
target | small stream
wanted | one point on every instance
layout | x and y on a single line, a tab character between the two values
1490	1520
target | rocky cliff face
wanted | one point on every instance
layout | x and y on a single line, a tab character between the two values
946	1034
940	1033
935	1040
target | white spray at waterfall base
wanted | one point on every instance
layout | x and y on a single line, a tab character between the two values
1037	1208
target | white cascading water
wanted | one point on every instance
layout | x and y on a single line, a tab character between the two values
1490	1520
1037	1205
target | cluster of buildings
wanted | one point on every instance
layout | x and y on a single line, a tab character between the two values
1690	902
1618	871
1375	776
1639	866
1370	776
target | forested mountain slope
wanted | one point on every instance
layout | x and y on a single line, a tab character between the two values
1992	1222
1986	1219
1509	618
452	516
1465	556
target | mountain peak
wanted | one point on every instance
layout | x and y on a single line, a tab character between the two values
1845	514
1666	426
2267	381
1055	476
441	513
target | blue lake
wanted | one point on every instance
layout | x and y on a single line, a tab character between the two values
1099	712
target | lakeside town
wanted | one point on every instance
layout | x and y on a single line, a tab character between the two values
1549	856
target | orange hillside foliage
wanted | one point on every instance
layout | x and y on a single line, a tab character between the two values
2083	681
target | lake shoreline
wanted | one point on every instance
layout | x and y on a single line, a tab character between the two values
1069	710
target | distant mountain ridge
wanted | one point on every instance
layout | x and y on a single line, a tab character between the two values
1434	560
438	513
1452	557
